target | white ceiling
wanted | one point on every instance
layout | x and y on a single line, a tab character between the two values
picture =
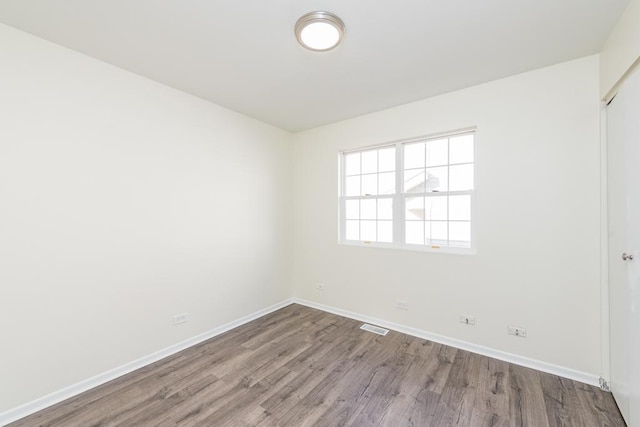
242	54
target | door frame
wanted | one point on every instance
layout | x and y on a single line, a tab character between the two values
605	368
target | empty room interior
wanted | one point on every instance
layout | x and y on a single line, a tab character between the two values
319	213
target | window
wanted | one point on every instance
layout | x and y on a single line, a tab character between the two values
369	188
414	194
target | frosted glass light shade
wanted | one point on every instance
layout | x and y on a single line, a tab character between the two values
319	31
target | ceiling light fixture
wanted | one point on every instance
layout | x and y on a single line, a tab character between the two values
319	31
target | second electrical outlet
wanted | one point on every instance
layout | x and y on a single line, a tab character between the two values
517	331
467	320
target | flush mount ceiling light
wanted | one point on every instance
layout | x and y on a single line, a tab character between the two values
319	31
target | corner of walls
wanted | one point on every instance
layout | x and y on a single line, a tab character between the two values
537	143
620	54
125	203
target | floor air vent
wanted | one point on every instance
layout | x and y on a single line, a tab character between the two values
374	329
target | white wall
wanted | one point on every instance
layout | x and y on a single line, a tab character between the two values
621	50
537	219
122	203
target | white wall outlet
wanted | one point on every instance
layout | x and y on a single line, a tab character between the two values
180	318
402	304
320	287
467	320
517	331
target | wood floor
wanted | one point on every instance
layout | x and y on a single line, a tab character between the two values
301	367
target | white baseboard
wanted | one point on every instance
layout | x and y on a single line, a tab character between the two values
75	389
560	371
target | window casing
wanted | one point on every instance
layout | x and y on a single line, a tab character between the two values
416	194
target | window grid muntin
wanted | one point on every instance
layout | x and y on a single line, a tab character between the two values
376	219
448	219
378	175
377	222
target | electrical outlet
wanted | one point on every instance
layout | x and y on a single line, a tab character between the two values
320	287
180	318
402	304
517	331
467	320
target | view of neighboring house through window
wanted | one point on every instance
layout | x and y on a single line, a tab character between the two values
414	194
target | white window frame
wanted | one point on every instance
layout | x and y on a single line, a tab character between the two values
399	198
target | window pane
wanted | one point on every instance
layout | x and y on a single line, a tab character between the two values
414	231
352	209
414	181
435	208
461	178
414	155
460	208
368	231
352	164
436	179
414	208
370	161
352	230
387	183
436	232
387	159
385	231
460	234
385	209
353	186
368	209
370	184
461	149
437	153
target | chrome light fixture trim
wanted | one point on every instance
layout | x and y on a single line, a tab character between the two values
322	18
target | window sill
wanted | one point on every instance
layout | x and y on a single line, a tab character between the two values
415	248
